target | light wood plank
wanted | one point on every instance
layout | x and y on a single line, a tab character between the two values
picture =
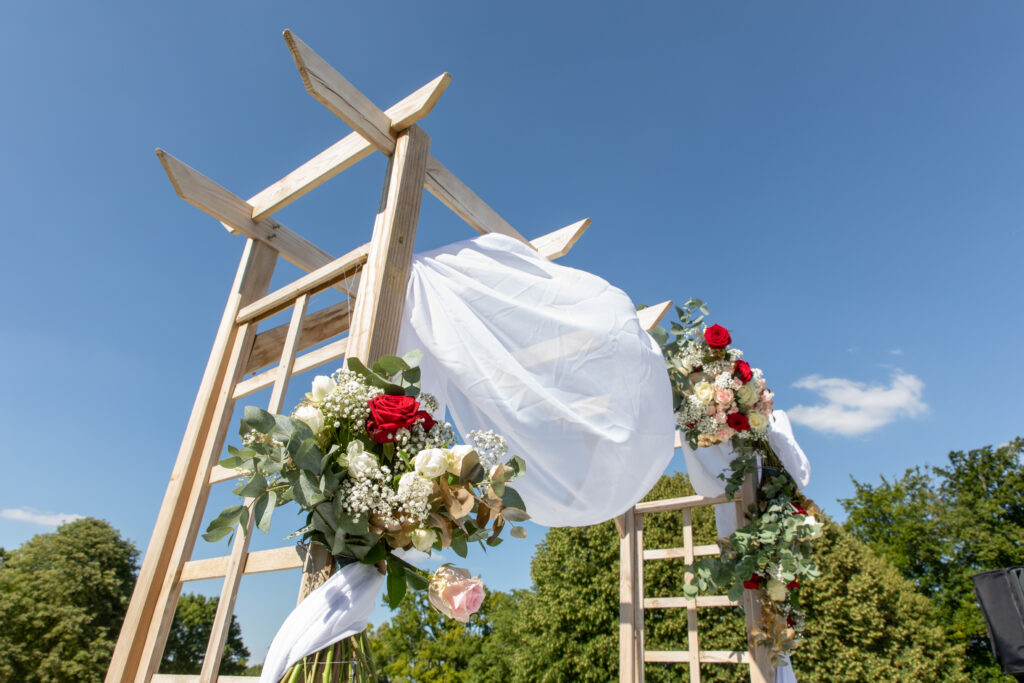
701	601
219	474
194	678
258	562
344	153
240	549
706	657
454	194
679	553
342	98
324	324
638	593
307	361
558	243
650	317
670	504
692	638
628	654
761	668
310	283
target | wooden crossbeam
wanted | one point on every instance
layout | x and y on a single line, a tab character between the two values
307	361
558	243
345	153
678	553
260	561
310	283
649	317
454	194
701	601
324	324
679	503
705	657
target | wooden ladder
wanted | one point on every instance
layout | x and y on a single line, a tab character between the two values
372	276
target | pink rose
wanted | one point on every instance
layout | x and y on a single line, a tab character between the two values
723	397
455	594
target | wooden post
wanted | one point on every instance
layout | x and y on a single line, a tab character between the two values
693	644
761	669
377	317
156	590
628	651
638	594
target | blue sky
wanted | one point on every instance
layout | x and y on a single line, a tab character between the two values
840	181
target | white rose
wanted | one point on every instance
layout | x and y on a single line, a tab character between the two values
810	521
362	464
322	385
705	392
776	590
431	462
757	421
748	394
456	454
311	415
423	539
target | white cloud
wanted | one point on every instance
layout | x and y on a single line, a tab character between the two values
854	408
40	518
896	352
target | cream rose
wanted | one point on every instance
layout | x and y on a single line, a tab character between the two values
748	394
776	590
423	539
705	392
454	594
758	421
311	415
322	385
361	463
431	462
456	454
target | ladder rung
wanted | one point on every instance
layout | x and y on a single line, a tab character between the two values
670	504
307	361
257	562
194	678
316	327
705	656
674	553
339	268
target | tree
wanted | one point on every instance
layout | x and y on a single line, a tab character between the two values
63	596
864	620
939	526
190	631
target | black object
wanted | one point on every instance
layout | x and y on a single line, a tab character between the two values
1001	595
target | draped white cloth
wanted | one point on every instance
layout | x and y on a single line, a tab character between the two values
553	359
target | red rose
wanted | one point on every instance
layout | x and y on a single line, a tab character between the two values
388	414
741	369
717	337
799	510
790	622
753	582
738	421
792	584
427	419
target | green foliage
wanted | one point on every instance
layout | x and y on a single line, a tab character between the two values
940	525
63	596
421	645
190	631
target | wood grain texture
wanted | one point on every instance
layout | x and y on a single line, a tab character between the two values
257	562
165	555
345	153
558	243
323	324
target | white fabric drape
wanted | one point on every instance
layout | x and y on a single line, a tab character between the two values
553	359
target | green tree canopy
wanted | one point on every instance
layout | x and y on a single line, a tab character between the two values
941	525
63	596
190	631
865	622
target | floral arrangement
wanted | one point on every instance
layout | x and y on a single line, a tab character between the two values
719	398
375	471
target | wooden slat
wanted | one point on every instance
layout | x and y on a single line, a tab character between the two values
324	324
628	654
670	504
258	562
344	153
307	361
702	601
677	553
454	194
333	91
310	283
638	593
156	589
240	548
650	317
692	639
236	214
194	678
558	243
219	474
706	657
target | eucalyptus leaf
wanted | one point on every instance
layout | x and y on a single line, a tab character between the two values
264	510
308	493
413	358
258	419
389	366
511	498
514	515
459	544
518	532
416	580
396	584
252	488
307	456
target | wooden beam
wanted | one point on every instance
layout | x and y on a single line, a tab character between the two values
324	324
701	600
454	194
679	503
260	561
194	678
677	553
333	91
706	657
558	243
344	153
650	317
628	653
321	278
307	361
236	214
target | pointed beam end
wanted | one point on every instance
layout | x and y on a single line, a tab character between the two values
417	105
650	317
174	170
558	243
295	47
